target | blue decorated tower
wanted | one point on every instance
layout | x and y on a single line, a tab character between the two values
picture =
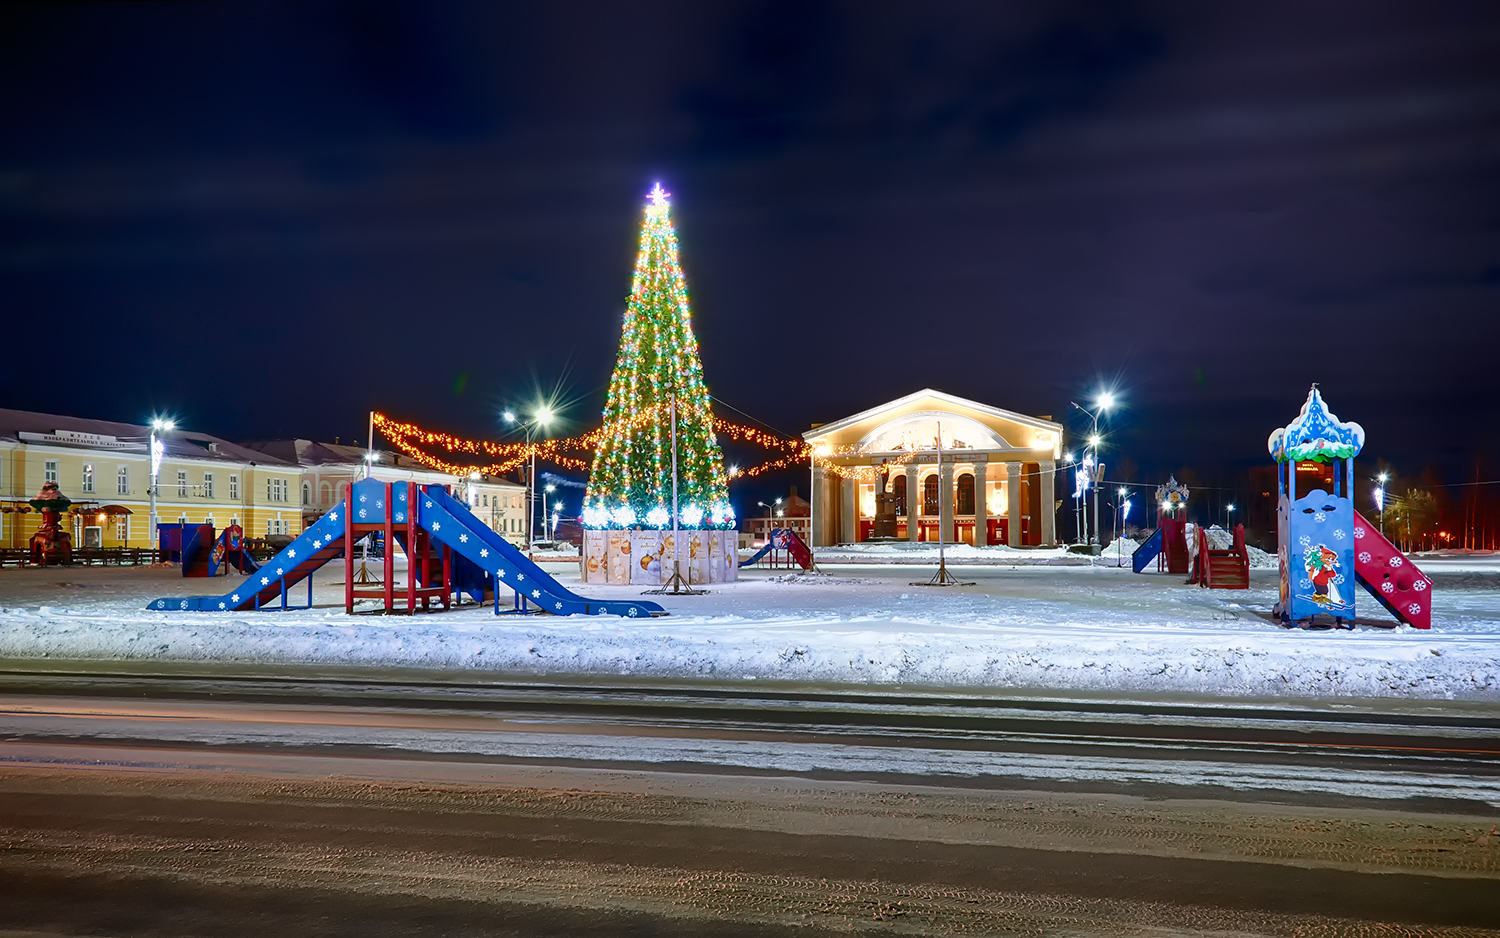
1315	519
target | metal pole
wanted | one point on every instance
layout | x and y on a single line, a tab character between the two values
676	544
152	538
942	490
370	446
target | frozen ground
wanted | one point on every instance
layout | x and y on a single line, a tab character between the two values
1024	626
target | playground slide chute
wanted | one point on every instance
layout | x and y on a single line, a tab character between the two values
320	543
787	540
446	519
1390	576
1146	552
450	522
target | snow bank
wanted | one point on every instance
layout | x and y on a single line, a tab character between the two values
1085	628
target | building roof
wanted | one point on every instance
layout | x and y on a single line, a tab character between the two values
24	426
942	396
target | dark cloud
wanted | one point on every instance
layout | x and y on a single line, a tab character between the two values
1209	205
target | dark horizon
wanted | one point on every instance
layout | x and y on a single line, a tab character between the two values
270	219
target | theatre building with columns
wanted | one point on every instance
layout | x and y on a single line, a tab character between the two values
876	474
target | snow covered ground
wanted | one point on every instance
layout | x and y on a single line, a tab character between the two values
1075	627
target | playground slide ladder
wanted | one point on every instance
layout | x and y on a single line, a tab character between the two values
1222	569
1390	576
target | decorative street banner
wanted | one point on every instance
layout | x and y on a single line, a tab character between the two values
595	554
646	547
619	557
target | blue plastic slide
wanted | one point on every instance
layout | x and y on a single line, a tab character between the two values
448	521
1146	552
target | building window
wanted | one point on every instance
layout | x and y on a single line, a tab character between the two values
182	519
208	485
182	486
234	486
325	494
122	529
898	491
307	493
930	495
88	477
49	470
209	520
965	495
122	481
486	500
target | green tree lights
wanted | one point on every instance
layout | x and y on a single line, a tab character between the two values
630	484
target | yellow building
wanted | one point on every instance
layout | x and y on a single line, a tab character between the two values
994	484
105	468
328	469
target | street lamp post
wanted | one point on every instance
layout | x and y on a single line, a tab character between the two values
1229	516
158	425
541	418
1105	401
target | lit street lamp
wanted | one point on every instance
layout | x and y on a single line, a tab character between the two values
1104	402
541	418
1380	499
1229	516
158	425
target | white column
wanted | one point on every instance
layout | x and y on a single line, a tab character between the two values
981	507
848	519
913	503
1013	504
818	523
1049	502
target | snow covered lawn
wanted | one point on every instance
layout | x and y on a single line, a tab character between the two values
1070	627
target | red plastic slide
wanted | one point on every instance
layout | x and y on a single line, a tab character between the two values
1402	589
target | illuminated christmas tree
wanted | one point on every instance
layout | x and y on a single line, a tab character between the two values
630	484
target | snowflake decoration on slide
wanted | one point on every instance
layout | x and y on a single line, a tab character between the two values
1364	556
633	612
1339	534
1396	561
1388	587
292	554
1359	532
484	552
1414	609
437	525
463	538
1305	541
1320	517
235	598
1304	583
1419	586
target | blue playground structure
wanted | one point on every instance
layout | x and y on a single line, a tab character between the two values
447	549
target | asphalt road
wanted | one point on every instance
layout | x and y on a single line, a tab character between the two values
235	803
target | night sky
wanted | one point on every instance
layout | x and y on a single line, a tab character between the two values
270	219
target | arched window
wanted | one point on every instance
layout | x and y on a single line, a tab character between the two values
930	495
325	494
307	493
342	486
965	494
898	492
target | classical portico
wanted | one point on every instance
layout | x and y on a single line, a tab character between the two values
993	485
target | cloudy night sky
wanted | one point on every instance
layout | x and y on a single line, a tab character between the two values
269	219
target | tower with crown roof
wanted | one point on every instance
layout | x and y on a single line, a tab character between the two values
1315	518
